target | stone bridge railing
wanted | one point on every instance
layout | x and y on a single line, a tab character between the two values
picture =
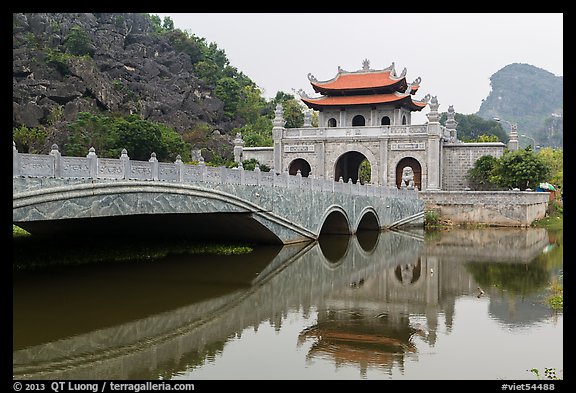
94	167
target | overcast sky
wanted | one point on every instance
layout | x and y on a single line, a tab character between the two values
454	53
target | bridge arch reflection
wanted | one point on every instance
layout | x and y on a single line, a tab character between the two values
181	331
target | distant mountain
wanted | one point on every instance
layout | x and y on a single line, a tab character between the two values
530	97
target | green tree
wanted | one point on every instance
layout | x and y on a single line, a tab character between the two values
141	138
365	172
91	130
207	71
182	42
520	169
29	140
471	127
554	160
229	91
168	23
77	42
481	175
293	114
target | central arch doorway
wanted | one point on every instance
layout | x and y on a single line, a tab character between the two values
352	165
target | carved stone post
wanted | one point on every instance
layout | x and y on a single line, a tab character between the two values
154	161
238	148
125	163
433	148
15	160
277	131
92	163
180	168
57	160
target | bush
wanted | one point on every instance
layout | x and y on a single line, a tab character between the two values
77	42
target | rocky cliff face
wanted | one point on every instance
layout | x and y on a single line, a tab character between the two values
123	67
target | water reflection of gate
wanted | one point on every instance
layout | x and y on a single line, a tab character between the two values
362	301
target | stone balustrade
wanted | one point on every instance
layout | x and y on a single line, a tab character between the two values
343	132
93	167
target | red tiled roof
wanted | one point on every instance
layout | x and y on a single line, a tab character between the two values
328	101
363	80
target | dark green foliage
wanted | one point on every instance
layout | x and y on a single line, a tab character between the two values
109	135
481	175
77	42
471	127
228	90
58	60
517	279
515	169
183	43
293	114
92	130
29	140
140	137
520	169
250	165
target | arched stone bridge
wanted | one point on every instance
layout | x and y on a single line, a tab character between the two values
91	195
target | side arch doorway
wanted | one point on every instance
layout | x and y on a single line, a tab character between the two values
416	170
301	165
352	166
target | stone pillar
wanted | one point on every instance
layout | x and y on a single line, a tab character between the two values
513	141
343	118
321	160
383	178
238	148
180	168
433	148
451	124
308	119
277	131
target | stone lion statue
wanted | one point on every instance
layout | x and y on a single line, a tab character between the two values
407	177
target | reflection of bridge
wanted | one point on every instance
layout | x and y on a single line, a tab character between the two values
91	195
366	283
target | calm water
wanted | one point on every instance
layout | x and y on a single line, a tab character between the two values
389	305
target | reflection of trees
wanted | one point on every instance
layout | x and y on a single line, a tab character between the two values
520	279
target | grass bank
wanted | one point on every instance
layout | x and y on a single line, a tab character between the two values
30	253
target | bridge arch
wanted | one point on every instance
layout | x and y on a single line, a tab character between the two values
367	220
129	207
335	221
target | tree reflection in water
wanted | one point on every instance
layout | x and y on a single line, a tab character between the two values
365	300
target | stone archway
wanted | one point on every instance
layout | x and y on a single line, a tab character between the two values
301	165
416	169
348	166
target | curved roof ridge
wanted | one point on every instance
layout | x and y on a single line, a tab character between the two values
365	78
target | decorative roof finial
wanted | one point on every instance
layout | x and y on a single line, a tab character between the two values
311	78
366	64
302	93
